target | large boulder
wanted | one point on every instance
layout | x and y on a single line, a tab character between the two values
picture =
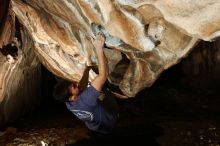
141	40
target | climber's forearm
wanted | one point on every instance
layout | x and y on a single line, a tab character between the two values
99	81
102	64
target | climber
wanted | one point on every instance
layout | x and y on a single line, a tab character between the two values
85	103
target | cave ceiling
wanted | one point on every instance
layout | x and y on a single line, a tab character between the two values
143	37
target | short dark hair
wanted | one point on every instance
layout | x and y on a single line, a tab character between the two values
61	91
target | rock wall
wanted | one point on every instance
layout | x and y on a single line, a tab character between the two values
20	76
202	67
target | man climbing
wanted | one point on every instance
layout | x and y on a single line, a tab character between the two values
84	103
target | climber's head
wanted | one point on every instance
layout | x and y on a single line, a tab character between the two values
74	90
65	91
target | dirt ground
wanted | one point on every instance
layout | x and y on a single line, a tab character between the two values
164	115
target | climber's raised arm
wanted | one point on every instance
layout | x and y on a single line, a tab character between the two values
99	81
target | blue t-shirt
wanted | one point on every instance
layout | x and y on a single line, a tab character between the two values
87	108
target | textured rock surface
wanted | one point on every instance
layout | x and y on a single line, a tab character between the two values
20	73
195	18
142	42
144	37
